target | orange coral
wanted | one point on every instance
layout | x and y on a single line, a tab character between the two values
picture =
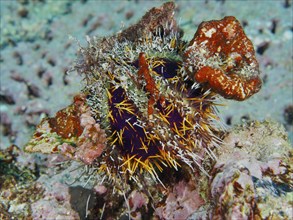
150	87
221	55
66	122
232	86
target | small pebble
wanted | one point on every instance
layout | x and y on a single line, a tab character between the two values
288	114
23	12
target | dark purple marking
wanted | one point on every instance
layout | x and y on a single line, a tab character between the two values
167	71
133	135
174	117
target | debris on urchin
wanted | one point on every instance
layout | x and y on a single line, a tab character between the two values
137	90
222	56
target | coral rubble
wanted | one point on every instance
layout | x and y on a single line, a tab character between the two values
71	126
18	187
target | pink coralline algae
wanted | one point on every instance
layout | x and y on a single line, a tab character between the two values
182	201
137	200
55	204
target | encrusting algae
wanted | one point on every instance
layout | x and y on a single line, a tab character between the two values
148	107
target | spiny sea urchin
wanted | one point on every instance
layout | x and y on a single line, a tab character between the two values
141	109
153	114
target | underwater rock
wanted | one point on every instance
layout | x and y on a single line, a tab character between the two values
55	204
252	178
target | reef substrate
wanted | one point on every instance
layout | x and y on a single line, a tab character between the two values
145	125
